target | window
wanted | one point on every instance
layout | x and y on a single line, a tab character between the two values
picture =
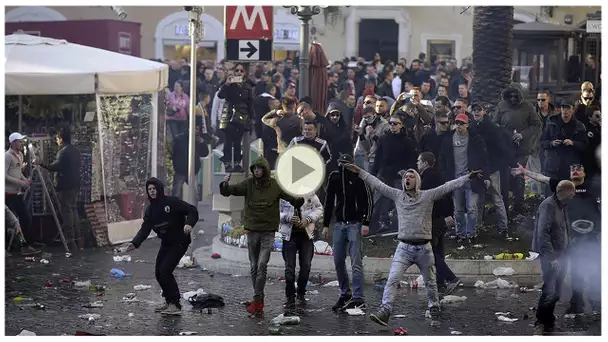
443	49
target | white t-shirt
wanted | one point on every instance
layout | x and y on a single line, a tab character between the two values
13	163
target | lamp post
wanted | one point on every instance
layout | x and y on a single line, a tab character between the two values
304	13
195	31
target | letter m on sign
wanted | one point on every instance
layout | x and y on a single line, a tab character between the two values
249	22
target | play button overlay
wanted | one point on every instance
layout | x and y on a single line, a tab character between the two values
300	171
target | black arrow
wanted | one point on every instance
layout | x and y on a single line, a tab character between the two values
250	48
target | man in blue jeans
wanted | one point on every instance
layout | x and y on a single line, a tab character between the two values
352	200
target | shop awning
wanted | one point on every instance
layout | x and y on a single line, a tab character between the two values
46	66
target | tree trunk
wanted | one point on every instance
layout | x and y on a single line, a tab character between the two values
492	51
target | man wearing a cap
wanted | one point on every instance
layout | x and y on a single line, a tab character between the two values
500	156
16	182
372	127
462	151
564	142
519	118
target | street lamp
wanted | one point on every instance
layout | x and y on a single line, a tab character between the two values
195	31
119	11
305	14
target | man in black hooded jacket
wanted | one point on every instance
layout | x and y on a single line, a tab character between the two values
340	143
172	220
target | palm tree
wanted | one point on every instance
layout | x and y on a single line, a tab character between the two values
492	51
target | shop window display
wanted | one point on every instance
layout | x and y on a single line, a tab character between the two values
124	123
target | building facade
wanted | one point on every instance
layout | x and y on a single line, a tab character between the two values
392	31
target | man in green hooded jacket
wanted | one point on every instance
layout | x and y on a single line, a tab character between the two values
261	221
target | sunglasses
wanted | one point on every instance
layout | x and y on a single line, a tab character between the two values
239	70
541	100
588	98
597	116
368	102
457	107
460	123
443	122
394	123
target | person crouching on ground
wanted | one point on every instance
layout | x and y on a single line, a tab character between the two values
414	211
550	241
261	220
172	220
297	228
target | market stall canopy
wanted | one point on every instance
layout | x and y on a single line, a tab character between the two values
46	66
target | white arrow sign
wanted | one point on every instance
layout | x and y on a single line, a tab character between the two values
249	50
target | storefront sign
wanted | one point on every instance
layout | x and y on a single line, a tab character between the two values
594	26
181	30
124	43
292	34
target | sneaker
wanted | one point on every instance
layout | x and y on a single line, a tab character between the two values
575	309
29	251
255	307
435	316
301	299
172	310
381	317
452	285
290	304
354	303
340	303
442	290
161	308
460	240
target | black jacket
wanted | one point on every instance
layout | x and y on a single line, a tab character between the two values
179	154
443	207
166	216
477	158
317	143
395	152
500	151
589	159
559	158
385	89
431	142
239	97
351	196
67	166
341	142
261	106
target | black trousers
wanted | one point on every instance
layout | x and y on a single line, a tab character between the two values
300	244
166	261
552	288
232	144
16	203
444	273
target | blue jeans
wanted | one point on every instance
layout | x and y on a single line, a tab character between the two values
343	234
407	255
465	198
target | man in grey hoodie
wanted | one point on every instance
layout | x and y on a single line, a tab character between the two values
414	211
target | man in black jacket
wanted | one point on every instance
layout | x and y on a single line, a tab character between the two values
309	137
353	208
431	141
443	210
500	156
462	151
67	166
323	126
237	112
179	157
341	142
172	220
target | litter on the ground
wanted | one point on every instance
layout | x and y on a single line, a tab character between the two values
452	299
201	232
48	284
571	316
188	333
122	258
502	313
500	284
455	332
93	305
478	246
506	319
131	314
419	282
85	283
479	284
90	316
427	314
460	248
26	333
503	271
44	261
185	262
130	300
67	255
235	275
525	289
313	292
190	294
449	256
488	257
333	283
139	261
118	274
323	248
399	316
215	256
533	256
141	287
285	320
355	312
400	331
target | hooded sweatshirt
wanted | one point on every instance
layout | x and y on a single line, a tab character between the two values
166	216
414	212
312	209
262	199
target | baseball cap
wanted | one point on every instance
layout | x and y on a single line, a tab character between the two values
462	118
480	104
16	136
566	103
346	159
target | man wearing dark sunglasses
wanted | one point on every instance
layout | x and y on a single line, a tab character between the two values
519	118
238	110
431	141
544	109
586	100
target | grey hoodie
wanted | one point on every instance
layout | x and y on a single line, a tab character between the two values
414	213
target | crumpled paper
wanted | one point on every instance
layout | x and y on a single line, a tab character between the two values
506	319
141	287
26	333
185	262
90	316
533	256
452	299
285	320
122	258
355	312
503	271
191	294
86	283
500	284
333	283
